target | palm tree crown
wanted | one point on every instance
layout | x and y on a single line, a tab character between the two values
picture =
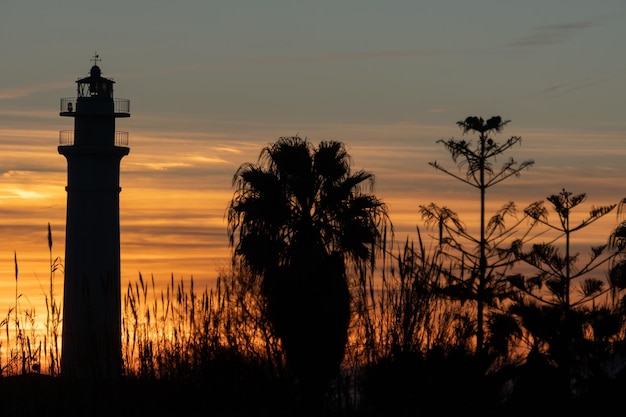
299	196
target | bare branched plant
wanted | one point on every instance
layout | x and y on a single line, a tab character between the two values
479	263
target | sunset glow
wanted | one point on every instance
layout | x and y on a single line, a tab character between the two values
387	80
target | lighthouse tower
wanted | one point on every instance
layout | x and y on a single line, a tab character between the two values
91	340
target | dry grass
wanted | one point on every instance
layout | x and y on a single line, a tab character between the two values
212	350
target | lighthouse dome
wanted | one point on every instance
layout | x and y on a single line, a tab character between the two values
95	72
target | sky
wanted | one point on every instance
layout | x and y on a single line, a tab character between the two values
212	82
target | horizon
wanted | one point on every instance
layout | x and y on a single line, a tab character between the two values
386	80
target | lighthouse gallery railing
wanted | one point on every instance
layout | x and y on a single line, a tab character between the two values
66	138
120	105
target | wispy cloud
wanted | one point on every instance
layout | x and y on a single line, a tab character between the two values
559	90
162	166
11	93
553	34
23	194
205	159
227	149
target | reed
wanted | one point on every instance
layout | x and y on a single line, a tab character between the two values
23	350
27	348
174	331
53	315
217	343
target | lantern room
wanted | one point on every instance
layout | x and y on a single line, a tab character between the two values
95	85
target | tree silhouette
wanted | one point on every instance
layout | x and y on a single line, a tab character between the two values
562	316
297	219
481	264
617	272
558	272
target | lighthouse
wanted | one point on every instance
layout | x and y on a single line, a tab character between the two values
91	338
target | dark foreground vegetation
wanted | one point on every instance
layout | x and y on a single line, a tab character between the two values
323	317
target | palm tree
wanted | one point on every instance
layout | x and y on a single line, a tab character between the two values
297	220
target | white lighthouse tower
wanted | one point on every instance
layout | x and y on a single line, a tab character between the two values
91	303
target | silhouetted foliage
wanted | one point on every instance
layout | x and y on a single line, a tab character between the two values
564	314
479	263
297	219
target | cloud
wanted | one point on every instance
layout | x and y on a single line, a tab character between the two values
12	93
227	149
22	194
563	88
552	34
162	166
210	160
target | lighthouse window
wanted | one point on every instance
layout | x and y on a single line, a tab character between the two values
93	88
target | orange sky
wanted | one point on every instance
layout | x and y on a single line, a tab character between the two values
211	83
174	199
